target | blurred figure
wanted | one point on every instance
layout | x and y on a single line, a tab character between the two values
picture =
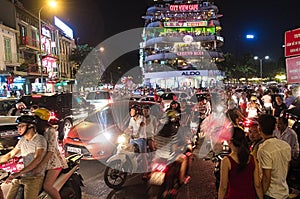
239	171
151	124
255	138
285	133
253	108
278	106
267	103
289	99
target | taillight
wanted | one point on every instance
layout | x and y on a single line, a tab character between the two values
159	167
36	96
52	116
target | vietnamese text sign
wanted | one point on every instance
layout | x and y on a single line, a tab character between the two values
293	70
292	42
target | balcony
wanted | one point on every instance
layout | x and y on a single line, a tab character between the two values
28	43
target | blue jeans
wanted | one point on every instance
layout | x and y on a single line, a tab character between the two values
141	142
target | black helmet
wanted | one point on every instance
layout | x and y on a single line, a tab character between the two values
29	119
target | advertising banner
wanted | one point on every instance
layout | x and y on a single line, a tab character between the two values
292	43
293	70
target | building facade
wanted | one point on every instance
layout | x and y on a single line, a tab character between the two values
41	57
181	44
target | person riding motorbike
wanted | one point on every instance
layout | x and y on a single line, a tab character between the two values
171	144
136	129
253	108
54	161
32	148
234	114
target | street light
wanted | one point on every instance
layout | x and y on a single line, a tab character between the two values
261	63
52	4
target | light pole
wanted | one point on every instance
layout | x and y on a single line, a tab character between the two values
261	63
52	4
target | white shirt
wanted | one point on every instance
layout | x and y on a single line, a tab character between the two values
275	154
290	136
138	131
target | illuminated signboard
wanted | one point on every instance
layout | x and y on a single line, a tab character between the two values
292	43
190	53
293	70
186	24
61	25
184	7
46	32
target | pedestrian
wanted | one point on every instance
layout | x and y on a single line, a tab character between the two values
32	148
285	133
278	106
273	156
53	161
267	102
254	137
239	171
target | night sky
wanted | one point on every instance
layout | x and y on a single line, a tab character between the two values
95	20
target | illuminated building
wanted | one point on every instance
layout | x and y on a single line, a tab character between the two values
56	43
181	44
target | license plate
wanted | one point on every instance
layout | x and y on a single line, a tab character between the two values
157	178
73	150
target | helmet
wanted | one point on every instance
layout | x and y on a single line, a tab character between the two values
42	113
253	98
173	116
29	119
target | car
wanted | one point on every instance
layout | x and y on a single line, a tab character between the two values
181	95
6	104
66	108
96	136
147	99
99	98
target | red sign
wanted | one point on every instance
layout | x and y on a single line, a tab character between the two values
292	42
293	70
184	7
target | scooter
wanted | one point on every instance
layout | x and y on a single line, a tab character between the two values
122	163
68	183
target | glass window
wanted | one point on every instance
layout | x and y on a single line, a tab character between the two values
7	49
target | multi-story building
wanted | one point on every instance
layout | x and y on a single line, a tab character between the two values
181	44
42	57
8	56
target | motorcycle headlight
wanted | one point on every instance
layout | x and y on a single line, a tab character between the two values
122	139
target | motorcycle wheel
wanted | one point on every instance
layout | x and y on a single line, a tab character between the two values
72	188
114	175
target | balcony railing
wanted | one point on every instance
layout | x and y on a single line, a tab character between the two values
29	42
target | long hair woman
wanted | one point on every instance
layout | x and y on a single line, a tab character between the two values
239	171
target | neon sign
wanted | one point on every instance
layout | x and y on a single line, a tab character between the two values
184	7
186	24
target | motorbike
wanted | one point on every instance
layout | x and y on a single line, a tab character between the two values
68	183
164	181
216	158
122	163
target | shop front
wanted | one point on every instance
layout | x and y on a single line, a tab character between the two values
184	79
